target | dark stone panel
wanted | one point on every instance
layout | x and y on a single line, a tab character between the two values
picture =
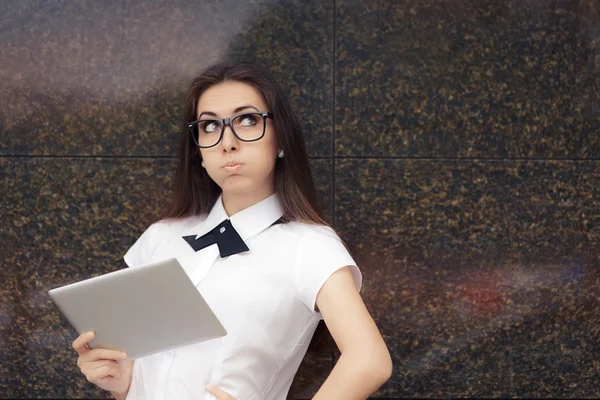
65	220
68	219
482	276
109	78
61	77
322	175
294	39
467	79
312	373
9	319
462	212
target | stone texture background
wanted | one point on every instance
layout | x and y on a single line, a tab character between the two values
455	144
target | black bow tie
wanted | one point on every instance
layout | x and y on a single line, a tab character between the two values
225	236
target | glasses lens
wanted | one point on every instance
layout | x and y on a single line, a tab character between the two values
207	132
249	126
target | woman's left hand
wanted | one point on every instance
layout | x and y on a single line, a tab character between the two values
218	393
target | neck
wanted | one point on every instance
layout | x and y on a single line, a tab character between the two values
236	202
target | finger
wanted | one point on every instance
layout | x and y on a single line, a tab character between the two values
107	380
80	344
101	373
218	393
103	354
89	367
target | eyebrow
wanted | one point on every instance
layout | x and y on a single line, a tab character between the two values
237	110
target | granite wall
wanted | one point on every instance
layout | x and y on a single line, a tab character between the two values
456	146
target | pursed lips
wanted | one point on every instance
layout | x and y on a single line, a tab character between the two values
232	165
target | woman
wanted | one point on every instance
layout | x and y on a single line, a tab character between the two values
243	173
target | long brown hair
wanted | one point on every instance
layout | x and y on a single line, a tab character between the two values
194	192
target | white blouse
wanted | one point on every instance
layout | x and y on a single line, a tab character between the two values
265	298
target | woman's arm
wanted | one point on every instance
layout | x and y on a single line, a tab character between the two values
365	363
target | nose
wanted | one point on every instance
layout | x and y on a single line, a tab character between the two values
229	141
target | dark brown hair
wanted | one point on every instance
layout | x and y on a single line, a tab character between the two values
194	192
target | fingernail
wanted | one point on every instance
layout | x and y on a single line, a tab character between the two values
123	356
210	387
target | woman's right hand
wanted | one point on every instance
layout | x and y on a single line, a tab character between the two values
100	366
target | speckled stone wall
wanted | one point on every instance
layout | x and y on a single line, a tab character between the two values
455	144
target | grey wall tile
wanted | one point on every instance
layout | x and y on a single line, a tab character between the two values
467	79
482	276
109	78
294	39
322	171
65	220
312	373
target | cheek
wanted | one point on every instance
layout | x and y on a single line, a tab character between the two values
208	156
211	163
271	141
262	159
270	150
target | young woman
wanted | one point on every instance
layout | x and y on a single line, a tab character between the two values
245	225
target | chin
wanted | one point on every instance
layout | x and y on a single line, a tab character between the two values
238	185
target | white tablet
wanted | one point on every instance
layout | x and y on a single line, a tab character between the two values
140	311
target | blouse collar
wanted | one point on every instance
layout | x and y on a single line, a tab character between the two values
248	222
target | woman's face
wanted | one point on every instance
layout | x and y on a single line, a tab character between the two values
254	173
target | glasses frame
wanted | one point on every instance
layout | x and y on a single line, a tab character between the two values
227	122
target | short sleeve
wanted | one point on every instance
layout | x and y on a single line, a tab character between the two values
142	250
320	254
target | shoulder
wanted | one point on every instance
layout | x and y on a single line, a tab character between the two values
303	236
310	234
318	253
305	230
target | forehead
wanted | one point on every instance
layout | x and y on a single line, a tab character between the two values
225	97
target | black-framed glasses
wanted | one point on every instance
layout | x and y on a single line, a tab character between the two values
247	127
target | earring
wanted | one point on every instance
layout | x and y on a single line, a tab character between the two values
202	163
281	153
